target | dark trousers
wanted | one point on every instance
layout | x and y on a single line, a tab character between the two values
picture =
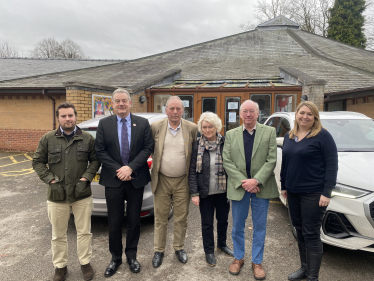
115	200
220	203
307	216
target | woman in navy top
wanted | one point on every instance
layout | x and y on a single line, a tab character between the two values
308	175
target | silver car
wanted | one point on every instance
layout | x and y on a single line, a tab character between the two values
98	191
349	219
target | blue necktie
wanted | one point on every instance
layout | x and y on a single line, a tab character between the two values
125	152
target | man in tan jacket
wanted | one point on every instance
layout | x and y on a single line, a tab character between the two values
173	139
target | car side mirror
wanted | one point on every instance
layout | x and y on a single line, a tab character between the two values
280	142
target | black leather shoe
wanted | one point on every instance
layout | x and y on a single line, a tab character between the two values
182	256
157	259
134	265
112	268
210	259
226	250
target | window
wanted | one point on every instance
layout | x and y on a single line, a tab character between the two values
285	102
273	122
283	128
264	103
188	100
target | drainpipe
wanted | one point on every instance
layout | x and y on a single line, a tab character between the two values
53	108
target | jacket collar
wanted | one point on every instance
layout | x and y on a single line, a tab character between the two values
78	131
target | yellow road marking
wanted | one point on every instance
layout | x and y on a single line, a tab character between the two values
276	202
13	160
14	163
17	173
28	157
10	156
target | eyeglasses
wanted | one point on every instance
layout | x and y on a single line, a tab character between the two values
249	111
207	127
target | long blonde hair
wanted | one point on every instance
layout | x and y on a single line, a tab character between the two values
316	127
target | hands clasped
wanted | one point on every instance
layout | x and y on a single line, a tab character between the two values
124	173
250	185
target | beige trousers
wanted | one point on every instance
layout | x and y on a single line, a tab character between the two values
171	190
59	214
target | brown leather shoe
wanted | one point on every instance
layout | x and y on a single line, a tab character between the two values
236	266
60	274
258	271
88	272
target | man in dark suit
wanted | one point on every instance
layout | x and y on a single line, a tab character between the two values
123	144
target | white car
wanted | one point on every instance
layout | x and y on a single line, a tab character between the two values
349	219
98	191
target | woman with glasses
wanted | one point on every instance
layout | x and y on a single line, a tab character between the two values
207	182
308	175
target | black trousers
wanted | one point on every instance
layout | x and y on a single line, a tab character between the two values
220	203
307	216
115	197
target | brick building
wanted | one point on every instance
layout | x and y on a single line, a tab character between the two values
275	65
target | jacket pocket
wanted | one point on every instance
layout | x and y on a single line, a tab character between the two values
56	192
54	153
82	152
82	189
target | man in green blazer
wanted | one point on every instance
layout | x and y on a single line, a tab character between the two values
249	158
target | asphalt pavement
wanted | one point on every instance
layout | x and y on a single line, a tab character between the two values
25	234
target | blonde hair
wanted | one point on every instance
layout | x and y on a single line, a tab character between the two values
316	127
212	118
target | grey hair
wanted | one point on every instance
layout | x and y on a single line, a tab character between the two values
256	104
121	91
212	118
174	98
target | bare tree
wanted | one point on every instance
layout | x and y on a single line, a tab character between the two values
312	15
8	50
71	50
51	48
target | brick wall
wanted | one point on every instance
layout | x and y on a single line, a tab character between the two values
82	99
26	118
359	106
136	105
27	112
20	139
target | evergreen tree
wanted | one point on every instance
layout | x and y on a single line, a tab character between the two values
346	22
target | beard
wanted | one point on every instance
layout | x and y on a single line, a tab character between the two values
69	127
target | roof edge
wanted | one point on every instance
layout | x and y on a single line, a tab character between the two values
71	84
304	78
153	80
310	50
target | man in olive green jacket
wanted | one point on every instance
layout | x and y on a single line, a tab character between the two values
65	160
249	158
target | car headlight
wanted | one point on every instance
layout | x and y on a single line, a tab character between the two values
348	191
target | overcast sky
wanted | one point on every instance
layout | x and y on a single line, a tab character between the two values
122	29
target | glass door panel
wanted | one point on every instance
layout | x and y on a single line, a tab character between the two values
232	118
209	104
285	102
188	101
264	103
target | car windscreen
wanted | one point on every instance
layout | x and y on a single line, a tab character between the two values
351	135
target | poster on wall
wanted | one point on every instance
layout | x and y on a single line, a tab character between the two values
101	106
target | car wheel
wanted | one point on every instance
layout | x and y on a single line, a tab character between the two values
171	212
293	229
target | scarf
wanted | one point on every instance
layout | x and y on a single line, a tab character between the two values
220	176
